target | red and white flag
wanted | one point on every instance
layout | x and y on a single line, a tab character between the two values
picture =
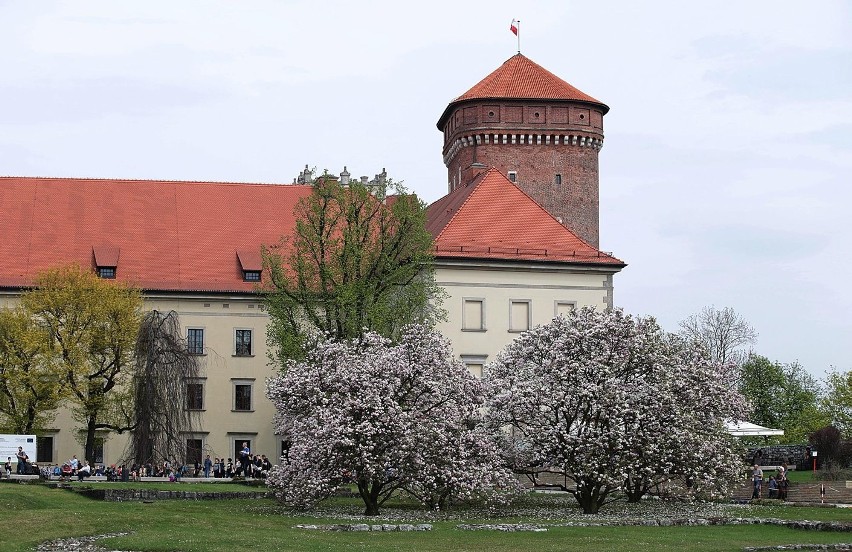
513	26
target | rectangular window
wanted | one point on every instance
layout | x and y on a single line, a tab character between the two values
251	275
193	451
519	315
473	315
44	449
194	396
475	368
195	341
558	181
243	342
563	308
242	397
106	272
513	176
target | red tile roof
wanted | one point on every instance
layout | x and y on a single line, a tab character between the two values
201	236
491	218
170	235
523	79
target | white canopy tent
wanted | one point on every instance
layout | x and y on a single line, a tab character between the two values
747	429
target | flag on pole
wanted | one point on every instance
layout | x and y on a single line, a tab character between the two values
514	27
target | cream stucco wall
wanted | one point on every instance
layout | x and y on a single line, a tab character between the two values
545	290
220	426
540	288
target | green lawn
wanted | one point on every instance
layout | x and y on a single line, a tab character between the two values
40	513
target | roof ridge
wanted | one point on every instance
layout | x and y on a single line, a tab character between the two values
153	180
556	220
475	183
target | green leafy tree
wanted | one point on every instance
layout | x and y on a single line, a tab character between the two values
838	400
360	258
92	325
801	409
31	382
761	383
782	396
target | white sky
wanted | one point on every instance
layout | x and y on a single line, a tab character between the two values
724	175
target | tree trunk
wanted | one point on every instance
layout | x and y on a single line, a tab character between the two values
89	448
369	492
635	489
590	497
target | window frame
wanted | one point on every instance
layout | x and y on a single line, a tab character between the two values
242	382
202	386
474	360
239	350
561	302
465	323
251	275
512	303
191	343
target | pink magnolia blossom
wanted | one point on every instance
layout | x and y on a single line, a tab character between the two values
391	417
616	406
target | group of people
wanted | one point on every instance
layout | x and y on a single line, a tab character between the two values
247	465
777	486
256	466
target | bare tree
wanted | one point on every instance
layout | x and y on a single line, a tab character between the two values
723	332
163	366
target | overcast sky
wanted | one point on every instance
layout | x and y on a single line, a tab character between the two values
724	174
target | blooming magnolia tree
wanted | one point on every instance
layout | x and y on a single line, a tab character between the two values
614	405
392	417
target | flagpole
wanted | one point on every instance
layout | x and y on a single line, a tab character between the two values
515	27
519	35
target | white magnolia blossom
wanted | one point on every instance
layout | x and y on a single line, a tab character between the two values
614	404
404	416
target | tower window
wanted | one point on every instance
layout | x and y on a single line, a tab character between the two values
513	176
558	181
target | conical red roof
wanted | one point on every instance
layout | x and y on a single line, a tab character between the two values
521	78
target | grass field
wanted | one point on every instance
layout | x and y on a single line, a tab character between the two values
35	513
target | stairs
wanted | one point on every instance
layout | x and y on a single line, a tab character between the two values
836	492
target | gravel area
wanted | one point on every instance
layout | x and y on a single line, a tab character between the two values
78	544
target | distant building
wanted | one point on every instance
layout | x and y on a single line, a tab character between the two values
503	257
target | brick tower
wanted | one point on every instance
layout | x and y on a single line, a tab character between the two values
538	130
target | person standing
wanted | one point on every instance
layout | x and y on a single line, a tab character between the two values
207	465
245	458
757	481
23	467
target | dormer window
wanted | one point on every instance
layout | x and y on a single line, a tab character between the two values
251	264
106	261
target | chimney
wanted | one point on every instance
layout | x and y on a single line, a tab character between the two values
344	177
470	173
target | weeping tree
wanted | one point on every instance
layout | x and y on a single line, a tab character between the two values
163	366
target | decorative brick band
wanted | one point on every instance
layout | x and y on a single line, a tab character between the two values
576	140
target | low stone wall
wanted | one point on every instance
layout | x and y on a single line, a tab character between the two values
137	495
369	527
776	455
